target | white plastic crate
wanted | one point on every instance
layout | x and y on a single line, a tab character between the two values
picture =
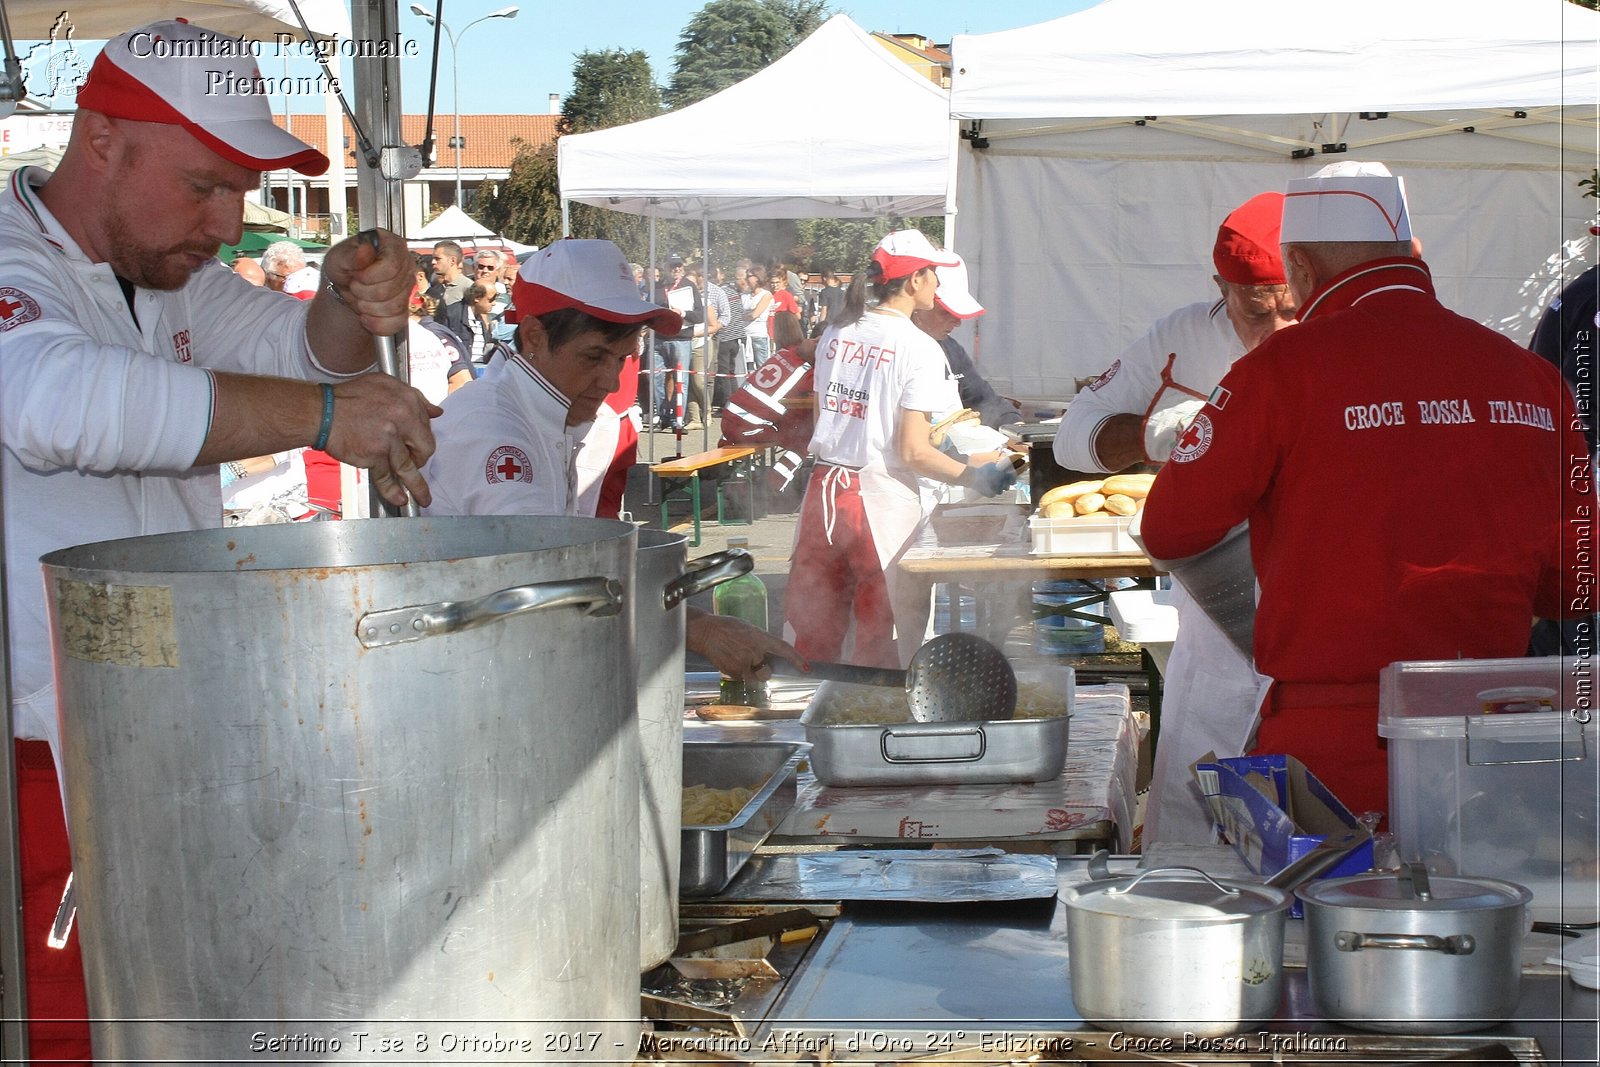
1478	790
1097	535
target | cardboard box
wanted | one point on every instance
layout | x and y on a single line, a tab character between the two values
1273	811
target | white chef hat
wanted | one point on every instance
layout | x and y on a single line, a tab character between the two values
1348	201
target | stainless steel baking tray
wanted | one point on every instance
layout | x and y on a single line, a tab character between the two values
933	876
712	855
916	753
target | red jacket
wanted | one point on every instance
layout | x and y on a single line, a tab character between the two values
1414	485
762	410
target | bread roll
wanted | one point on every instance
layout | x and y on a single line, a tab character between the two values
1118	504
1136	486
1069	492
1089	503
1061	509
937	435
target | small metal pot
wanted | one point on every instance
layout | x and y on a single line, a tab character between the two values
1174	951
1410	954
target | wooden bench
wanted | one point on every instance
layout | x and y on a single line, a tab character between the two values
683	473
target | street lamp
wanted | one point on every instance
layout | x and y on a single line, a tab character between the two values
455	71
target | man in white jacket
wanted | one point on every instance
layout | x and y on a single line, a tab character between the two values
1133	414
132	363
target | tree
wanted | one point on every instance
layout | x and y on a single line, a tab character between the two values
725	42
609	88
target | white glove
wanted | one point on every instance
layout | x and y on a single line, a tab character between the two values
1162	428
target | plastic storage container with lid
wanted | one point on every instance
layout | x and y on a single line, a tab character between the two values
1493	772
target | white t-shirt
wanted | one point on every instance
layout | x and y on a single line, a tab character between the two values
430	363
867	373
1204	345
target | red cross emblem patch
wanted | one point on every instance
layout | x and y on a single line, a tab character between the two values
768	376
1193	442
508	463
16	308
1105	379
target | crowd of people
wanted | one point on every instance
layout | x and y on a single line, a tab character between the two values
144	381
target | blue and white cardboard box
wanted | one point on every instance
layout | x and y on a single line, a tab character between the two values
1273	811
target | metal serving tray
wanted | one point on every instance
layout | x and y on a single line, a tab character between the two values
712	855
917	753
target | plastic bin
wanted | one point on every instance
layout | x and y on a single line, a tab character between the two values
1476	788
1084	536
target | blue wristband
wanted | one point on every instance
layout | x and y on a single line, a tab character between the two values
327	418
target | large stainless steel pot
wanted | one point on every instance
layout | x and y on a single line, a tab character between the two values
1174	951
665	582
1414	953
322	778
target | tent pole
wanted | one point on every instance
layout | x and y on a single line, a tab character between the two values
706	378
566	217
650	354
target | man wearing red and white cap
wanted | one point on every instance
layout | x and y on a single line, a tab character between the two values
953	304
880	383
509	442
135	362
1132	414
1398	466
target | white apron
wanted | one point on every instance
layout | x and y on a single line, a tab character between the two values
1209	704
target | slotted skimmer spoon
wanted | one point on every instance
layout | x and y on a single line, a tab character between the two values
952	678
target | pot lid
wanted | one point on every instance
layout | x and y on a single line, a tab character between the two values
1413	888
1175	893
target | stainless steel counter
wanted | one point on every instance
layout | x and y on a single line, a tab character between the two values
925	980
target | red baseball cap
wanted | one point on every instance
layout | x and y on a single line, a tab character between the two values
177	74
904	252
592	276
1246	250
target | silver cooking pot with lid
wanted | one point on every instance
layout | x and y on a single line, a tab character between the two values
1413	952
1173	951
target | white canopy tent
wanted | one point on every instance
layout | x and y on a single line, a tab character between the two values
452	224
1101	150
709	161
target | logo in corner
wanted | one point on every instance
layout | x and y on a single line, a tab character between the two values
1193	442
56	67
16	308
508	463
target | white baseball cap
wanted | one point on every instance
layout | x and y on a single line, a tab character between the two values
592	276
303	283
953	294
177	74
1348	201
904	252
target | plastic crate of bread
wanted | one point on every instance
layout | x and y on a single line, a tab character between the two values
1089	518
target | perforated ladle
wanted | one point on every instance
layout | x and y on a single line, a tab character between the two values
952	678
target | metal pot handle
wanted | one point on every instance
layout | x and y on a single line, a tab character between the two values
707	571
376	629
1453	945
1182	872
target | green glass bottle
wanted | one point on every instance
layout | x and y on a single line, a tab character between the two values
745	597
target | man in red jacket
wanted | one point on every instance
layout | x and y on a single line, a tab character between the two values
1398	466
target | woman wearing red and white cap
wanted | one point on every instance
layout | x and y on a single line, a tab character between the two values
880	384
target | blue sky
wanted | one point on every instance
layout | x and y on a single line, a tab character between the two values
513	65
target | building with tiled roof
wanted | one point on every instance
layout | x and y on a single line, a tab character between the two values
930	60
489	144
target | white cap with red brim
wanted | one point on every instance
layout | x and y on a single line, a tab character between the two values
303	283
904	252
177	74
1346	202
953	294
591	276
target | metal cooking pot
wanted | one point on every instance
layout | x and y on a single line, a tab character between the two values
329	776
1414	953
665	582
1174	951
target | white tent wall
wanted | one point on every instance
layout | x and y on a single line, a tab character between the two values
1075	258
1111	143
